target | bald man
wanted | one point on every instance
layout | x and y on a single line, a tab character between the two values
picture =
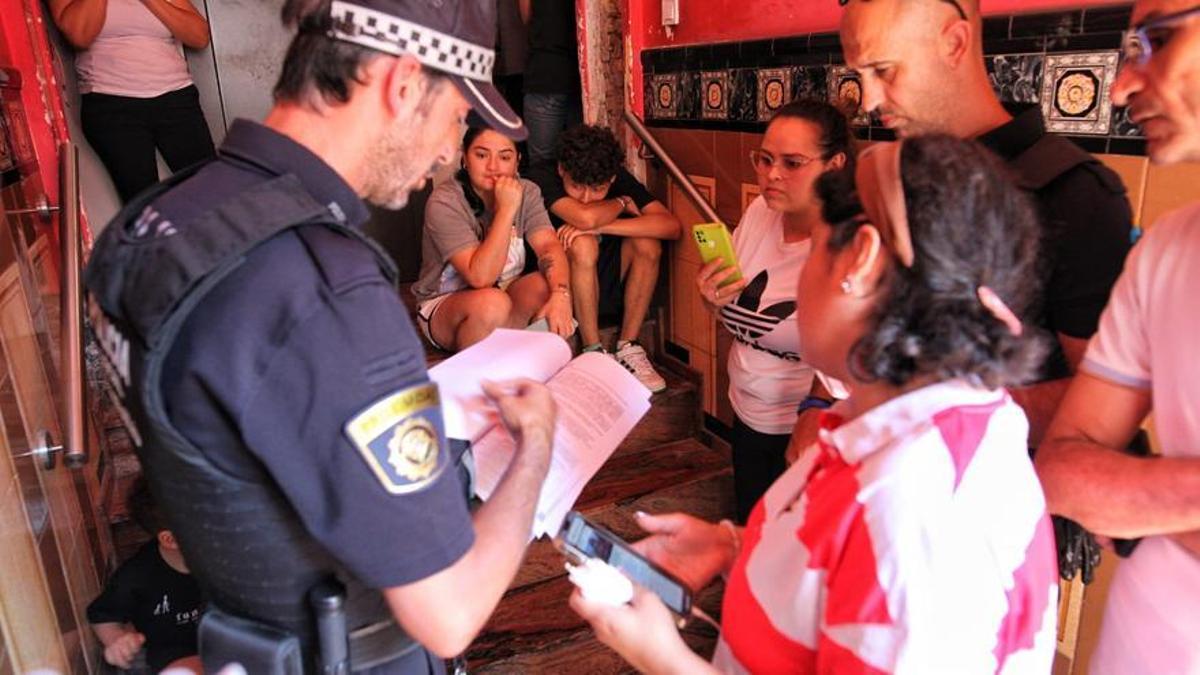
1141	360
922	69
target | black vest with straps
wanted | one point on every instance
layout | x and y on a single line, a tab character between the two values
240	536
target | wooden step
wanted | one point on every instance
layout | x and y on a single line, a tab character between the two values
534	630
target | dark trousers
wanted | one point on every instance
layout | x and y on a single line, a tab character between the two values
758	459
125	132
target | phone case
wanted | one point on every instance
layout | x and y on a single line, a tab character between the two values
714	241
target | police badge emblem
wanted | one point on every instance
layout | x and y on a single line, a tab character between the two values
412	451
399	437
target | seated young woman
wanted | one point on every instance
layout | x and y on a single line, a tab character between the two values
473	254
914	538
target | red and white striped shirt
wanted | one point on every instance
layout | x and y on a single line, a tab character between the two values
915	540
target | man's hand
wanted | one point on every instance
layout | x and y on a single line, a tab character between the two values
508	192
692	549
569	233
708	281
527	409
557	312
121	651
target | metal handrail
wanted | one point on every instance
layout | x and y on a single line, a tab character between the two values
70	240
680	177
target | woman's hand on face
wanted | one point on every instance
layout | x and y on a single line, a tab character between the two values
642	632
567	234
692	549
508	192
708	281
557	312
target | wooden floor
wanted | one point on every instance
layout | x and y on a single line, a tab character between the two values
660	467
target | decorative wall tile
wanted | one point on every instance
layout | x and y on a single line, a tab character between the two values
714	89
845	92
774	90
688	94
1123	126
743	99
1075	96
1017	78
810	82
665	95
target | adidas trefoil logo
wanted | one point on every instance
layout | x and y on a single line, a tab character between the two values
744	317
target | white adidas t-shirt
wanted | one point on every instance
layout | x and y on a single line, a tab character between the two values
1147	340
767	379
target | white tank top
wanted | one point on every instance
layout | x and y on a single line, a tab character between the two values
134	55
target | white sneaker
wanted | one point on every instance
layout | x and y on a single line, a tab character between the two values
634	358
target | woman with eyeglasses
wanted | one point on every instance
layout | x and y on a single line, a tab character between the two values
915	539
767	378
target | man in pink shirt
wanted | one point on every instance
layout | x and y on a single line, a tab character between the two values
1143	359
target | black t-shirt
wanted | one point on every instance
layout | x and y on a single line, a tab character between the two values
1086	224
553	65
546	177
161	603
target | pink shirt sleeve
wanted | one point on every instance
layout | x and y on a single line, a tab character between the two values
1120	350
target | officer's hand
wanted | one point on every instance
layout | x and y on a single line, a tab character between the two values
121	652
527	409
508	193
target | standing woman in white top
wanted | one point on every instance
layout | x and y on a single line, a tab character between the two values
767	379
138	95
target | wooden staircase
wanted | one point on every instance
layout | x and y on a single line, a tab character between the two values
660	467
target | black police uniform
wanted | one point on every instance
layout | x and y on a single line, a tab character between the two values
1086	227
278	392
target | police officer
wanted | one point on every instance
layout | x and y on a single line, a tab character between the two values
271	377
922	71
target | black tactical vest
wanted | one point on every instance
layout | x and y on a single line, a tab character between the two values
242	539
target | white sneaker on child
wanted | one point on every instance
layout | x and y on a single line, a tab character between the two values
633	357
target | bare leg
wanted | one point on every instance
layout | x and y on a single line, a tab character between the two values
639	268
466	317
585	289
528	294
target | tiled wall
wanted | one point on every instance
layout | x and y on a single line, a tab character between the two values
1064	62
710	137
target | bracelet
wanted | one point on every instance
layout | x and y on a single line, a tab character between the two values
813	402
564	290
736	536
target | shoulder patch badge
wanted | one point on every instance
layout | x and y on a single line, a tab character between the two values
400	438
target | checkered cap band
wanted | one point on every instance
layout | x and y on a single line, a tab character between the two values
391	34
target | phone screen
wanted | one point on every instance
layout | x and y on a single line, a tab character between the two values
595	542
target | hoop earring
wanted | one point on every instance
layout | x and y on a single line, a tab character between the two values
847	286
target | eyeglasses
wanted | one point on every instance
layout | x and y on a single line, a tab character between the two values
961	14
1138	43
764	161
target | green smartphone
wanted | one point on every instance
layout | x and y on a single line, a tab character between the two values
714	242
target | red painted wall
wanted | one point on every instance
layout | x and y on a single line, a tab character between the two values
707	21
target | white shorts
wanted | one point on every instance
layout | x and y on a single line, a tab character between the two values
425	312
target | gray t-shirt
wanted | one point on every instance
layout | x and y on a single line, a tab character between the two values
450	227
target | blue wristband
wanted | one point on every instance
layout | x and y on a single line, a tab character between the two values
813	402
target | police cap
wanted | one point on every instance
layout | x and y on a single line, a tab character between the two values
454	37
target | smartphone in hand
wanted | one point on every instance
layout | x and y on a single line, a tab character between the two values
714	241
580	539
